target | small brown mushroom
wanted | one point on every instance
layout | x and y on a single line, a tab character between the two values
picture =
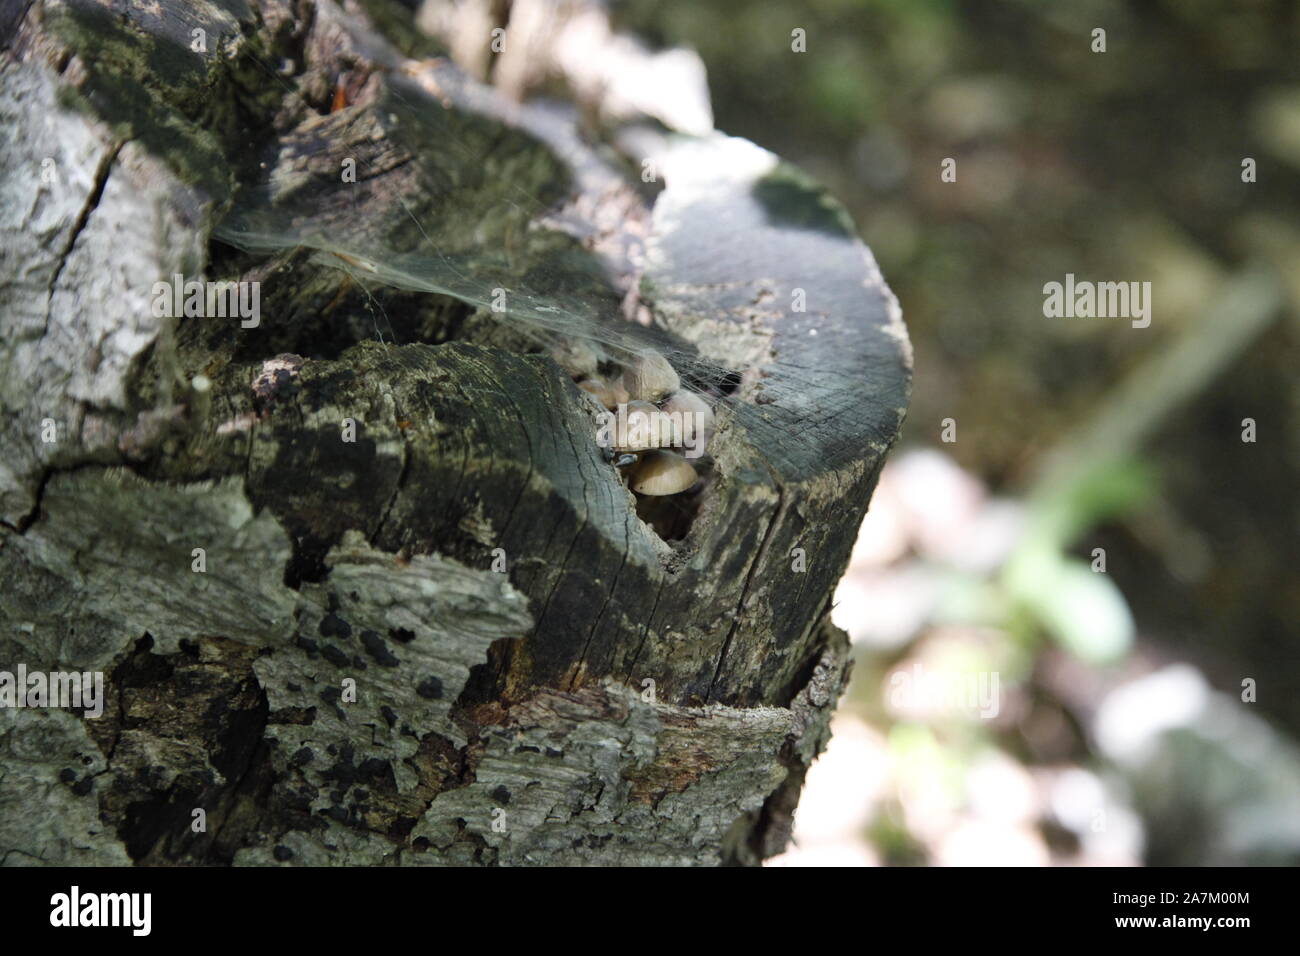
662	473
649	377
639	426
692	421
576	357
609	394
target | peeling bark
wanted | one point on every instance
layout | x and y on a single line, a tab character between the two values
347	679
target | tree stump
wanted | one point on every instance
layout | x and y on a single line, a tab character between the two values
450	635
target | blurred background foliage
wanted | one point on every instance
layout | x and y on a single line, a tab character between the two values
1145	714
1123	165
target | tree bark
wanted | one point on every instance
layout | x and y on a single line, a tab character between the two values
646	682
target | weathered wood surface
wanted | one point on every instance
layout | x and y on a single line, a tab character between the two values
514	698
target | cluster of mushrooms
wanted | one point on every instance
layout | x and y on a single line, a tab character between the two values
658	419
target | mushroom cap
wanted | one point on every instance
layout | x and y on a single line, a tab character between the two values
609	394
641	425
649	377
576	357
662	473
692	418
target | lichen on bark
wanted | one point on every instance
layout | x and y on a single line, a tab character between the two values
454	637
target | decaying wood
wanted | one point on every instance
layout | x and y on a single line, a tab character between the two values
627	691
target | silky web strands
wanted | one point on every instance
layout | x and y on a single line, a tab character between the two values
408	195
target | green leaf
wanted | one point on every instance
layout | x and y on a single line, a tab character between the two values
1081	609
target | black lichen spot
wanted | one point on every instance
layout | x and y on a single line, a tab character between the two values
67	775
335	656
331	625
401	635
304	756
390	715
83	786
430	688
307	644
552	752
282	853
501	795
342	775
376	648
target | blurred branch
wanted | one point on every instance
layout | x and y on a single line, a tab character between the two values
1247	304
